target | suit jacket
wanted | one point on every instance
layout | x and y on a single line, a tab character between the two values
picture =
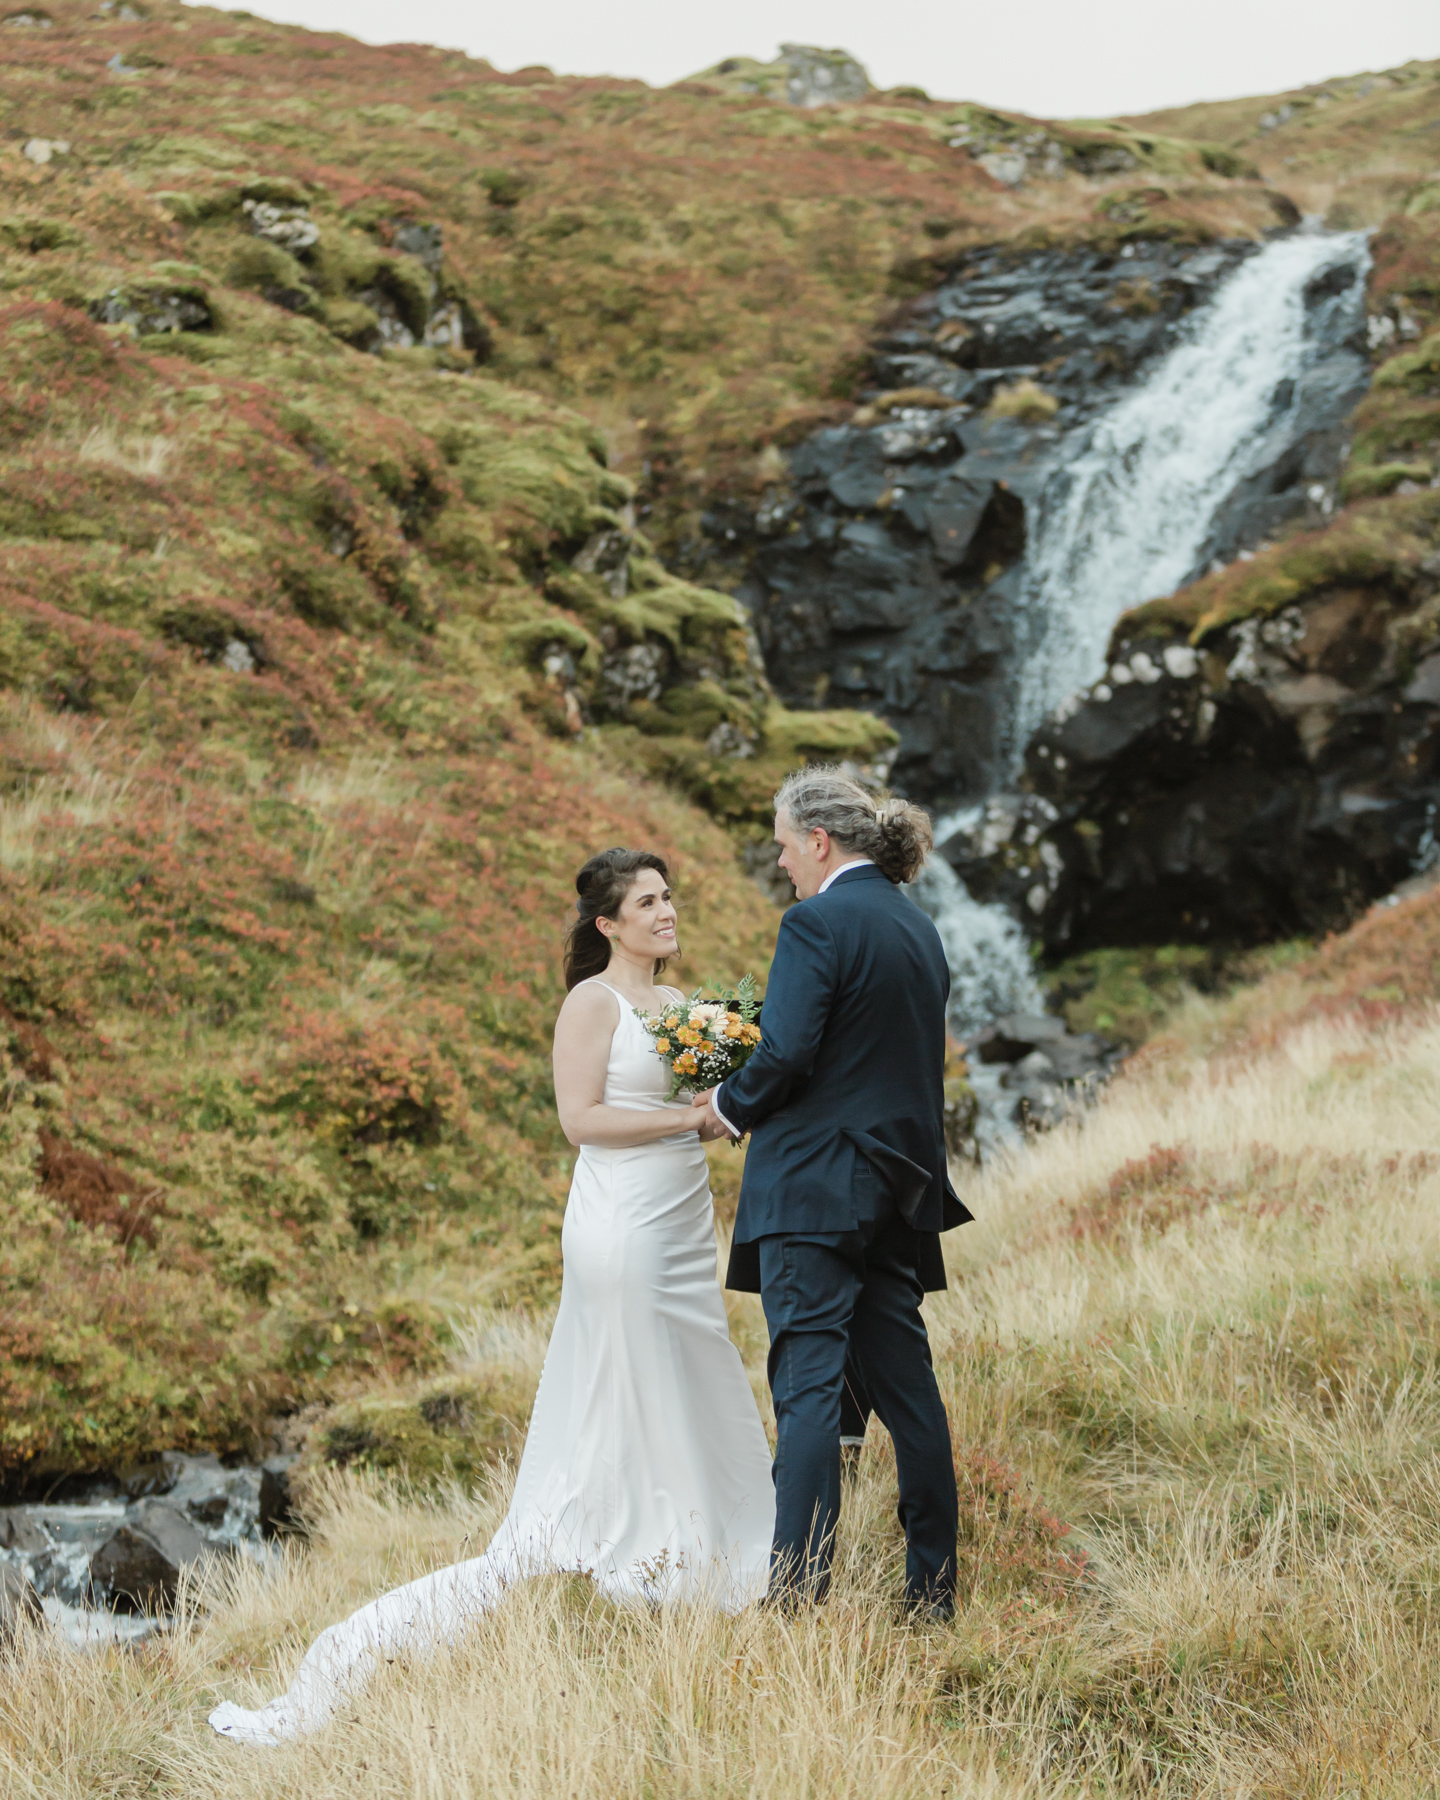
849	1076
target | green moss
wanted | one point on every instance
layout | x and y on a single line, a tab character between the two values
531	640
1126	994
1417	369
1378	543
35	234
839	736
266	268
452	1429
351	321
1367	483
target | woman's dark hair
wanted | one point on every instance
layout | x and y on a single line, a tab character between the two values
602	886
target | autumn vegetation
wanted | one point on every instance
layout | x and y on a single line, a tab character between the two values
315	687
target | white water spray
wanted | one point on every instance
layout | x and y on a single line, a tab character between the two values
991	972
1128	519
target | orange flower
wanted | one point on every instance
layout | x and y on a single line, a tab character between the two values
663	1045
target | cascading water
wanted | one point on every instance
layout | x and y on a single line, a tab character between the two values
1134	515
990	968
1136	507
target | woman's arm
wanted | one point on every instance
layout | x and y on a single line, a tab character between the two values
583	1032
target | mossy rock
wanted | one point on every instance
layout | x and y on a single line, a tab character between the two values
839	736
1382	478
1378	543
28	232
453	1429
530	641
1126	994
1417	369
352	322
268	270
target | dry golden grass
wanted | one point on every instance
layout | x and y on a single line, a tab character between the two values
1201	1325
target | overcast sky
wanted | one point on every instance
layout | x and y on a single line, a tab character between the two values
1057	58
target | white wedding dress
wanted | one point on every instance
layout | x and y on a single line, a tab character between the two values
646	1464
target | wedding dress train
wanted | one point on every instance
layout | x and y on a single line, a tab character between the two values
645	1464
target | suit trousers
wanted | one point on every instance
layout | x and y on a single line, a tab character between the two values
827	1295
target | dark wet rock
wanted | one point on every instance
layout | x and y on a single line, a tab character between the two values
20	1533
1010	1039
19	1603
1050	1069
277	1502
887	572
139	1567
137	1481
1270	783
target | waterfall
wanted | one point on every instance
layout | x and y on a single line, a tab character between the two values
991	972
1130	517
1133	513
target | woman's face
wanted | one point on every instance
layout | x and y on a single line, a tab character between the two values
646	925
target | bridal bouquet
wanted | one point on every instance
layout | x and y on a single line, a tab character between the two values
704	1041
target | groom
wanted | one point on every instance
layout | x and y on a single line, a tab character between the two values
845	1189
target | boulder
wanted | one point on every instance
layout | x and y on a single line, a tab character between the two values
1272	785
277	1502
816	77
137	1481
1050	1070
19	1532
138	1568
1010	1039
154	308
19	1603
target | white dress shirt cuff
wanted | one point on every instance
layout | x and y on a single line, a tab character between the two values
715	1103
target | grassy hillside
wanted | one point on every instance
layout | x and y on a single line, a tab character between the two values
331	640
1190	1356
356	409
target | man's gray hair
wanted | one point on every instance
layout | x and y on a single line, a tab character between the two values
895	835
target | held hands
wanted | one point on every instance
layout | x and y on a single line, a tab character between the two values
708	1122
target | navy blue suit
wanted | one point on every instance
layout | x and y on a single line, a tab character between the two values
844	1195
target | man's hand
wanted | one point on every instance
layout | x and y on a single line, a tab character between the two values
714	1127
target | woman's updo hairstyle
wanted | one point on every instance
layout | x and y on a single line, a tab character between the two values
895	835
602	886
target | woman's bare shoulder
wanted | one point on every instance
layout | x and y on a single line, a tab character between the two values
590	1005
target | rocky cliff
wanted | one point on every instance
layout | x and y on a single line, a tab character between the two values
897	570
1256	776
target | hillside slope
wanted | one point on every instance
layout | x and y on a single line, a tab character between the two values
349	399
1190	1355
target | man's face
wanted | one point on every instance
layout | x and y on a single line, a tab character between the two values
805	857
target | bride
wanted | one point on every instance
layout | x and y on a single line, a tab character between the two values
646	1465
